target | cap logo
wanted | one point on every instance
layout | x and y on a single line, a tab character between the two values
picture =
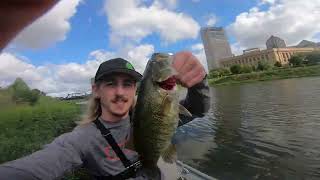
129	66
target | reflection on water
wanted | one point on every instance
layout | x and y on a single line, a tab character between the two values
268	130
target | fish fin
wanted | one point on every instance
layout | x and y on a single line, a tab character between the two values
170	154
167	104
184	111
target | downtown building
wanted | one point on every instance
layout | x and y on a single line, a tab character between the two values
276	51
216	46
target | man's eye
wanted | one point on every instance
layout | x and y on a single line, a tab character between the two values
128	84
110	83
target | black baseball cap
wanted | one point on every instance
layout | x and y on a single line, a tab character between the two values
117	65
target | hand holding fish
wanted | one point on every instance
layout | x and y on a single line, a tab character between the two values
190	70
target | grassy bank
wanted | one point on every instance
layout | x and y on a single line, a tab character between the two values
25	128
276	73
29	120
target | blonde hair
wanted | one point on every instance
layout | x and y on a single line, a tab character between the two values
93	111
93	108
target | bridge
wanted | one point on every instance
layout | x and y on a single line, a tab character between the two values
76	95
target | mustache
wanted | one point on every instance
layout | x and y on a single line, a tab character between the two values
120	98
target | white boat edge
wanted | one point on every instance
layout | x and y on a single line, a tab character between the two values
190	173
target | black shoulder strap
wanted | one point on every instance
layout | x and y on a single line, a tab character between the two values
107	135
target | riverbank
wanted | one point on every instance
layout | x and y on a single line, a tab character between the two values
25	128
274	74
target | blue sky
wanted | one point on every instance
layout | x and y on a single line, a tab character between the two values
90	30
77	35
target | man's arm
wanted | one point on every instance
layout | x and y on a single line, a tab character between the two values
52	162
191	74
197	101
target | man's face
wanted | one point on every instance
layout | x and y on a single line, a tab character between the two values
116	93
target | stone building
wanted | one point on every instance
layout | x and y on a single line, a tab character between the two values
281	54
271	56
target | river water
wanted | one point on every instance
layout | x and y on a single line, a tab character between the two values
264	130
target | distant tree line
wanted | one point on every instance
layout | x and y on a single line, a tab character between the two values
308	59
239	69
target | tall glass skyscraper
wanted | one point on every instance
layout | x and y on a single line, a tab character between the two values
216	45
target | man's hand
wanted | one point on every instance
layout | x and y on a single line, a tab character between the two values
190	70
17	14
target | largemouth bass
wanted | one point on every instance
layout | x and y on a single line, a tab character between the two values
155	117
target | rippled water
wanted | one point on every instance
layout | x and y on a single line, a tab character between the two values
267	130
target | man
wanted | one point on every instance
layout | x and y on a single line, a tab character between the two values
113	96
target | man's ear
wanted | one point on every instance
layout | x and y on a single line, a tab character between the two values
95	90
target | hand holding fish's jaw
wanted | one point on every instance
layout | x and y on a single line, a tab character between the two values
189	69
155	117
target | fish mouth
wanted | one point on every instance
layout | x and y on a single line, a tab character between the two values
168	84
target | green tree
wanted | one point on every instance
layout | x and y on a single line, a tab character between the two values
296	60
21	92
254	68
34	96
262	66
214	73
246	69
277	64
224	72
235	69
313	58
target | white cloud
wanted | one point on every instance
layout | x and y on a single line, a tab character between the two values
236	49
51	78
268	2
11	67
197	47
290	20
50	28
101	55
61	79
132	20
140	55
137	55
171	4
198	51
211	20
